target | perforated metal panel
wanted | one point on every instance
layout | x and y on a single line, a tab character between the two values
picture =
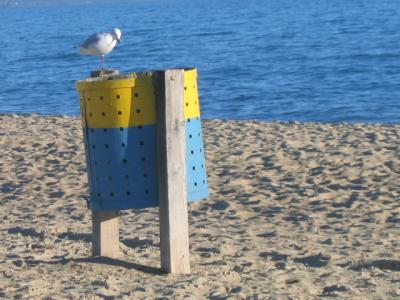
197	187
123	167
118	119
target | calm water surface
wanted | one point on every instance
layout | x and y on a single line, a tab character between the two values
285	60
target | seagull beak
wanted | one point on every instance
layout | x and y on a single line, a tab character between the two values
118	41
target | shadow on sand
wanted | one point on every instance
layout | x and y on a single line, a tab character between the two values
103	261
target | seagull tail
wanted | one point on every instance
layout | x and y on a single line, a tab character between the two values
83	50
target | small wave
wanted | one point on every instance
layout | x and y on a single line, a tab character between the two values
210	34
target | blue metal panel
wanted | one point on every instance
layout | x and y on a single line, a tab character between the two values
123	167
197	186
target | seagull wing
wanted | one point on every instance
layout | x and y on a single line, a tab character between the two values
98	44
91	40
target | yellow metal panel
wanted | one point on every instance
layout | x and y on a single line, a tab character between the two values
143	103
129	102
118	103
191	94
108	108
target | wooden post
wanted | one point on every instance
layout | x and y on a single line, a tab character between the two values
105	224
105	228
174	231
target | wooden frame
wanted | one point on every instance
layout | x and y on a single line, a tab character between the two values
173	212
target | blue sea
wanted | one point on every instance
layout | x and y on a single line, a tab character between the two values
288	60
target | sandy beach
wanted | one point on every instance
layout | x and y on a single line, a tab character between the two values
296	211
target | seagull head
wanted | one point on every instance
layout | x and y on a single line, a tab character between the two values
117	33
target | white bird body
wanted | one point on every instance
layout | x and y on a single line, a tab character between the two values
100	44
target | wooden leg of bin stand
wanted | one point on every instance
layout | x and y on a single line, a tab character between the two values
105	227
105	233
174	231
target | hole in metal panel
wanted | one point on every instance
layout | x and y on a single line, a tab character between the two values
112	194
101	97
105	129
128	193
118	96
126	176
136	95
143	158
94	146
140	127
138	111
123	145
147	191
106	145
124	161
145	175
120	112
103	113
121	129
141	143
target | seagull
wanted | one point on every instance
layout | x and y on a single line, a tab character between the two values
101	44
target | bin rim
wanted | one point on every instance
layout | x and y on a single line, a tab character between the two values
124	80
114	82
190	73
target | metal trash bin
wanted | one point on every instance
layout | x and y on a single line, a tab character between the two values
119	128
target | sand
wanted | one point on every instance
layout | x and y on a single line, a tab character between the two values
296	211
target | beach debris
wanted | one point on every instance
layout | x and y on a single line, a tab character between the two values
330	290
292	280
275	256
101	43
382	264
314	261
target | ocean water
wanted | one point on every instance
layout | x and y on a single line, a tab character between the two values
320	60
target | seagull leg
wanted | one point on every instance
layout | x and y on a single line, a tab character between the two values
102	65
102	62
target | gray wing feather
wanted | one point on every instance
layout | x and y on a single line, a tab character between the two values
91	40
